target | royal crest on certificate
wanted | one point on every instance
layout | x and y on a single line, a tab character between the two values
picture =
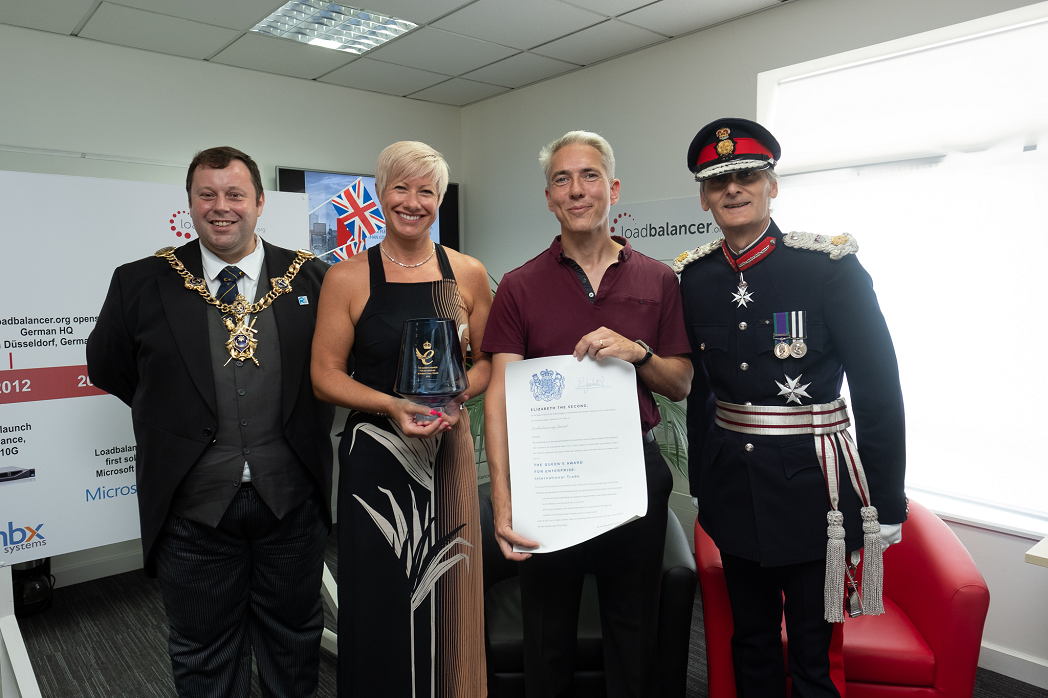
576	456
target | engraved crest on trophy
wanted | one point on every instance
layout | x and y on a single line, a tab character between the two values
431	371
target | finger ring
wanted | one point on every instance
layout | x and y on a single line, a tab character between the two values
602	344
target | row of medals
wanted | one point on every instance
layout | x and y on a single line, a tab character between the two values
784	348
795	348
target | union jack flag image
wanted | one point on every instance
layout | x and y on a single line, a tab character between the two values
343	253
358	217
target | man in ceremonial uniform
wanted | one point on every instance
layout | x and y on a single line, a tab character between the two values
588	294
775	321
209	345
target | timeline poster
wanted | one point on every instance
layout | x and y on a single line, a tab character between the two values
67	450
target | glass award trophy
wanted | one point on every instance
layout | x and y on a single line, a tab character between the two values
431	371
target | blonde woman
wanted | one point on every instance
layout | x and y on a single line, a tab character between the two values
410	577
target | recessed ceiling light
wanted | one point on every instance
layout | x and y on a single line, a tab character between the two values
337	27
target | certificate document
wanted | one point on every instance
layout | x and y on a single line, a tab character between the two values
576	456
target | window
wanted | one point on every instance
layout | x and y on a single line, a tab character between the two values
933	151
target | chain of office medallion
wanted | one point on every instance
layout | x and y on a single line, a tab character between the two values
281	285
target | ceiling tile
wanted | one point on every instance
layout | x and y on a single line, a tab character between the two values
458	92
235	14
518	24
520	70
440	51
126	26
611	38
417	11
61	16
367	74
676	17
282	56
610	8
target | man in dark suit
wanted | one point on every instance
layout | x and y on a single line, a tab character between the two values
775	321
234	457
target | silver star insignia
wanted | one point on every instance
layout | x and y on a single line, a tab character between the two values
742	297
791	391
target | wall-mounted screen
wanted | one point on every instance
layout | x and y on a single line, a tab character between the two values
345	217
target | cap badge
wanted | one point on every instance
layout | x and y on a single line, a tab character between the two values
722	133
725	148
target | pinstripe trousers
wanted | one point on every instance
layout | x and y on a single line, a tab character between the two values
252	582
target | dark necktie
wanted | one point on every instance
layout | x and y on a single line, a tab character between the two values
227	289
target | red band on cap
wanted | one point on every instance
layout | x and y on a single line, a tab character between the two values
743	146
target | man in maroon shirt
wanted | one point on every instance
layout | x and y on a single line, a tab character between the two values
589	293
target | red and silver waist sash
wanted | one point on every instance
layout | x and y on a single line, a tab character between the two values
829	418
828	422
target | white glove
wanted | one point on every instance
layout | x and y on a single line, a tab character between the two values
890	533
695	503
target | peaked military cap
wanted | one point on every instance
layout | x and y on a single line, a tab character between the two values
731	145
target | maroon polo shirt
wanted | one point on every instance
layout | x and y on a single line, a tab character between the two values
542	309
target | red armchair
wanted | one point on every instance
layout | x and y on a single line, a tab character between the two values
926	643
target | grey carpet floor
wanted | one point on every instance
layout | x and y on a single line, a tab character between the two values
108	639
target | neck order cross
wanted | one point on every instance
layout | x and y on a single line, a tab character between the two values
241	343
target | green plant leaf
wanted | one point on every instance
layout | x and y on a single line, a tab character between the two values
672	433
475	409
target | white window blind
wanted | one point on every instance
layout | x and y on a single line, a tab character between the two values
933	152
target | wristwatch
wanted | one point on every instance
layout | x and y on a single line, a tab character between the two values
647	355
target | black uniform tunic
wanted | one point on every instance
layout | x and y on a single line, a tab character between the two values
763	498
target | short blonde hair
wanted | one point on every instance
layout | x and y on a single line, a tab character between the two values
407	159
594	140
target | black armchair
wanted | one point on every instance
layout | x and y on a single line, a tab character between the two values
503	621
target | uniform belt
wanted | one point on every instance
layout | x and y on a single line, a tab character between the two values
649	436
829	423
828	418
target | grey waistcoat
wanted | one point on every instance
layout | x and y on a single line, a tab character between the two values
249	428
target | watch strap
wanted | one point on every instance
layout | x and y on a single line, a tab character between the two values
647	356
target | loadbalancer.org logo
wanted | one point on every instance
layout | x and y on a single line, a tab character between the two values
624	224
182	225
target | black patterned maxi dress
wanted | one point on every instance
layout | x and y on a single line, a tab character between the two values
410	579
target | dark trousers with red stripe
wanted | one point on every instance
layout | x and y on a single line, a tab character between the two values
758	597
251	583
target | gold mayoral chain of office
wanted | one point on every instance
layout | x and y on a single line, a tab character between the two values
241	343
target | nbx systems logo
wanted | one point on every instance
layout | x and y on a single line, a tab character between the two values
21	538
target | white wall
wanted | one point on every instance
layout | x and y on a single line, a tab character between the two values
649	105
1015	639
70	94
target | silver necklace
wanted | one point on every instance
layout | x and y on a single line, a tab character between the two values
409	266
